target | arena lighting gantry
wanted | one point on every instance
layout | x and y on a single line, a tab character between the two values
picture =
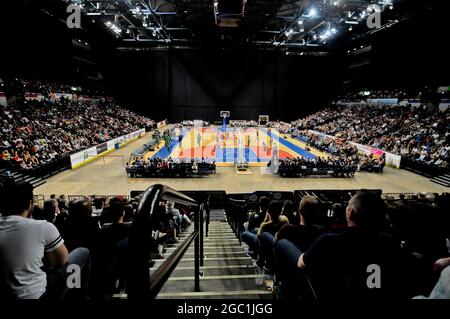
306	26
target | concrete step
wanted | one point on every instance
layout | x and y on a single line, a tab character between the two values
212	270
211	283
440	181
211	254
213	261
246	294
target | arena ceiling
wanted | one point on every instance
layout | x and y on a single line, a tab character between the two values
298	26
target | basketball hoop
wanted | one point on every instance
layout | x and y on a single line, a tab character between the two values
224	114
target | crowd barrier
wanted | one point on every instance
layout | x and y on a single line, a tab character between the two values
81	158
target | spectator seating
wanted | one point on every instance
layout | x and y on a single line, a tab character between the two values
419	135
37	137
167	168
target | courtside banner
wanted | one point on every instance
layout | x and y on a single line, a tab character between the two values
88	155
392	159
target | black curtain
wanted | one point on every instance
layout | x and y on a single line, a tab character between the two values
195	84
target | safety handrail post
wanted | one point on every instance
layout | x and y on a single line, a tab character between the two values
197	251
202	210
208	212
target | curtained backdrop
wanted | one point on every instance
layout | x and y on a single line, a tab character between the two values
190	84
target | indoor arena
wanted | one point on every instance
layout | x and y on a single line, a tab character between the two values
281	152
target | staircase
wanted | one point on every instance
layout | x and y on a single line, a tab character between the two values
228	273
19	177
443	180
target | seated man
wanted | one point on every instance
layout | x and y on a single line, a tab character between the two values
360	261
24	243
306	233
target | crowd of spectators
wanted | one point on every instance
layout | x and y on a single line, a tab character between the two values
36	133
341	166
200	123
89	230
169	167
282	127
363	94
413	133
328	246
47	88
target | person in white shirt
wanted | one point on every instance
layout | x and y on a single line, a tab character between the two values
24	243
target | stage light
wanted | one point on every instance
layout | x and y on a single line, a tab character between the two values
312	12
108	23
350	29
289	32
300	22
391	7
333	30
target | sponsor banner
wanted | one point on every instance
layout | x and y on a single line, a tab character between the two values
383	101
161	124
349	103
83	157
102	148
392	159
29	96
414	102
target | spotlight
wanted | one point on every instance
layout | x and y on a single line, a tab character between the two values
300	22
333	30
312	12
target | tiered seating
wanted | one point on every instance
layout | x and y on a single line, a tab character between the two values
37	136
423	240
210	241
421	138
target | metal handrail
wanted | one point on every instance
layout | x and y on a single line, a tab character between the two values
140	285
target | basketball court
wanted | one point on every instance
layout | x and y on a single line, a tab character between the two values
106	175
